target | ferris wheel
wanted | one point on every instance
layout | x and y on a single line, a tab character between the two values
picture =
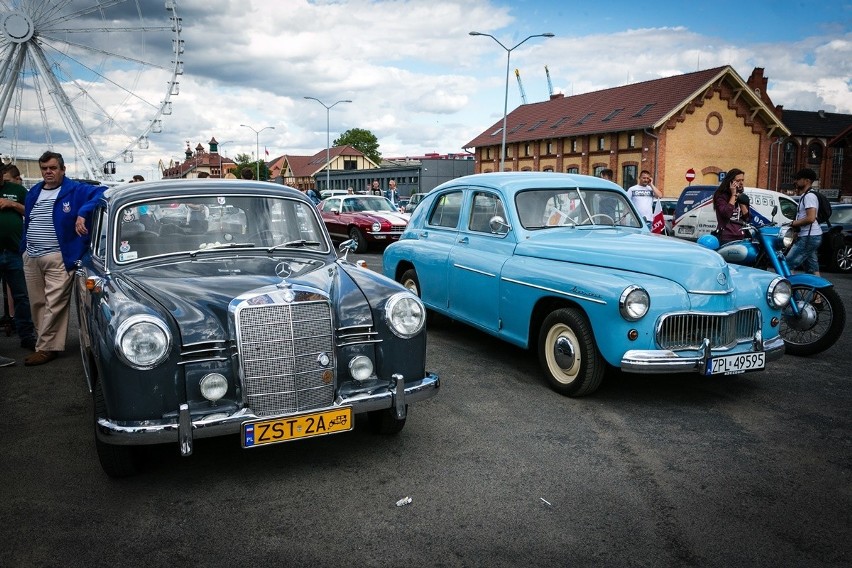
92	79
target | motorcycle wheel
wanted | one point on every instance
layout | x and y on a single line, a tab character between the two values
821	319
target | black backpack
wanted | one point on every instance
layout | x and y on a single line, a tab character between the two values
824	209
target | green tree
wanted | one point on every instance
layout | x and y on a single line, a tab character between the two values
362	140
246	161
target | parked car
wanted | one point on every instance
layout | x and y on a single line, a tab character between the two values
366	219
695	217
835	252
564	264
326	193
413	201
259	330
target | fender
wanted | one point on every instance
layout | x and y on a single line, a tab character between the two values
809	280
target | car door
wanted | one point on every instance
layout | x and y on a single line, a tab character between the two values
437	236
476	261
91	265
332	218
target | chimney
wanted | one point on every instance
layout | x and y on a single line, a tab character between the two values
557	96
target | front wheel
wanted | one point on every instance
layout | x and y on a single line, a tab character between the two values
841	258
116	461
819	324
410	281
360	240
568	354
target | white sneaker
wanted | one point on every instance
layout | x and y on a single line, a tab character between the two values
6	362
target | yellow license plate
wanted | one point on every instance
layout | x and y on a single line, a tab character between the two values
272	431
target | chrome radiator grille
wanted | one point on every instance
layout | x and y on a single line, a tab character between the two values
687	331
279	346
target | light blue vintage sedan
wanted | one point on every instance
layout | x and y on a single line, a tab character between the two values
563	263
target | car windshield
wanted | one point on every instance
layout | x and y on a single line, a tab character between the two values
367	203
544	208
195	223
841	215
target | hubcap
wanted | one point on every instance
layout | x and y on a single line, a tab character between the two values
563	353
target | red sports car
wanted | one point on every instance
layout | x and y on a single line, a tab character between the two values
367	219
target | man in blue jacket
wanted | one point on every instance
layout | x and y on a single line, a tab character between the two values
54	239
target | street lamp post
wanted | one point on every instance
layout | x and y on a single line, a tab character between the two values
506	93
327	137
257	145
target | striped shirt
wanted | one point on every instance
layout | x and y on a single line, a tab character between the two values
41	233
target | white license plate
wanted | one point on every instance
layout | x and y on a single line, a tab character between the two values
735	364
688	230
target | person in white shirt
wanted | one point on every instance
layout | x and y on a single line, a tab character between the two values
803	254
642	195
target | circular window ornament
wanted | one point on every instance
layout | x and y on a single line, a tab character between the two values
713	123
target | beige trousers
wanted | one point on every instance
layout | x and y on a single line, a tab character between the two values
49	287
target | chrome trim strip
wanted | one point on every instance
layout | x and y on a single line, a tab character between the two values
554	291
649	361
469	269
711	292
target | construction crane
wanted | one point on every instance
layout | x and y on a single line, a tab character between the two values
549	84
521	87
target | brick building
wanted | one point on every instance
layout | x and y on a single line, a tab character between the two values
708	121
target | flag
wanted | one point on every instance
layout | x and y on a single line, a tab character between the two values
659	222
265	149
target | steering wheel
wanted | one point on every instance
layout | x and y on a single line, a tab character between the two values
611	220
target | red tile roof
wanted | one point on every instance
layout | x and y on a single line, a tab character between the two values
308	166
630	107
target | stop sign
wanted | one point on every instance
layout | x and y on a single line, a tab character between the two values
690	175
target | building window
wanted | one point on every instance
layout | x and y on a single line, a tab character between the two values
628	174
601	142
815	154
572	170
631	140
598	169
526	149
574	145
488	153
548	168
549	148
837	167
788	163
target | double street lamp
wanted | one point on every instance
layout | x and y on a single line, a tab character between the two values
327	137
257	146
506	93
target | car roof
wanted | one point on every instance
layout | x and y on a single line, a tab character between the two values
163	188
512	182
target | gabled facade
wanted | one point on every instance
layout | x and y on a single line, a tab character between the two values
709	121
303	172
207	163
818	140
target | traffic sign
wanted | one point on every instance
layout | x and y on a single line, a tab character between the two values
690	175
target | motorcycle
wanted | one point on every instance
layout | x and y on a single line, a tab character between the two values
814	319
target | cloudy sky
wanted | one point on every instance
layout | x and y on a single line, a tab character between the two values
421	83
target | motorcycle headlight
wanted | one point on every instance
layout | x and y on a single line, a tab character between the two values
779	293
634	303
786	236
143	342
377	227
405	315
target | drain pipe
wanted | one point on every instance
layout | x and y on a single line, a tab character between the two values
656	153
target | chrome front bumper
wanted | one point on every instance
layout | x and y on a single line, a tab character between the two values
664	361
184	430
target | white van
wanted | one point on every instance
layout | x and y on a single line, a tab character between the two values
695	217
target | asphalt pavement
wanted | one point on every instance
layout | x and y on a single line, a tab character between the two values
676	470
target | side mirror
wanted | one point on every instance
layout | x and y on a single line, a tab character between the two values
346	247
498	225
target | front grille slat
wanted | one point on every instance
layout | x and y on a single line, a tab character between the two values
688	330
279	347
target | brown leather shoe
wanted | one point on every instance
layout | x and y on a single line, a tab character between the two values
40	358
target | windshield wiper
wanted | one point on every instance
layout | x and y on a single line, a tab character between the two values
213	246
294	244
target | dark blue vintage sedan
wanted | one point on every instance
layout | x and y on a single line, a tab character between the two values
211	308
563	264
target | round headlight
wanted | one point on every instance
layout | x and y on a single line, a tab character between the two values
361	368
213	386
377	227
779	293
787	236
143	341
405	314
634	303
